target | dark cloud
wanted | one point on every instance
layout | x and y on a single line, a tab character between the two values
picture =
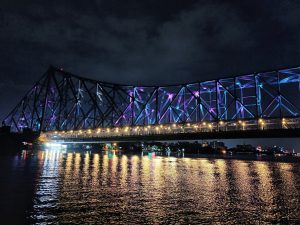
143	42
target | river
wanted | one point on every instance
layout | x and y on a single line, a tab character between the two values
51	187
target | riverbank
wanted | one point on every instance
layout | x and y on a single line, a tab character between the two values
11	142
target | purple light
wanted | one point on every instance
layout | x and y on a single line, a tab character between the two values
243	97
170	96
53	118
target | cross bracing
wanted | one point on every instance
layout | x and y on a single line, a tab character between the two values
63	101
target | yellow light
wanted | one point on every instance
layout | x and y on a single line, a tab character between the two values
243	124
149	126
240	121
221	122
89	131
188	124
161	126
260	120
174	125
209	125
203	123
55	132
156	128
107	130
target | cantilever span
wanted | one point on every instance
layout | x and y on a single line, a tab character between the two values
61	101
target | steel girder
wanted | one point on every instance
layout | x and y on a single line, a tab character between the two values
63	101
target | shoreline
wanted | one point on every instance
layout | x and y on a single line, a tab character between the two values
153	155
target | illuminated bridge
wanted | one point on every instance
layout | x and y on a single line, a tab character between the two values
64	105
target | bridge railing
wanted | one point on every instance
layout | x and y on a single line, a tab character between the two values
221	126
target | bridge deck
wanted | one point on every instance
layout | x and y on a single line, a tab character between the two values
223	130
291	133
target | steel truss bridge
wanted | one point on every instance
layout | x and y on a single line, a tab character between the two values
66	105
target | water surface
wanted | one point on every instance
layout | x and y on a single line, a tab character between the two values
49	187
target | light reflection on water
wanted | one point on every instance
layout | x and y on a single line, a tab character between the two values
81	188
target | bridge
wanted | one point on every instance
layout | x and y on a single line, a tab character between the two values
62	105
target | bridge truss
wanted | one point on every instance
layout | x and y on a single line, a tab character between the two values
63	101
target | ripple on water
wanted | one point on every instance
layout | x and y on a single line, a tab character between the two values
130	189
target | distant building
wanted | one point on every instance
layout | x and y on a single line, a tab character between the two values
217	144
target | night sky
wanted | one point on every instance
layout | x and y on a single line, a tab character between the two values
143	42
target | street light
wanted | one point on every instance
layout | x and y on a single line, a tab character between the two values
262	125
283	122
261	121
